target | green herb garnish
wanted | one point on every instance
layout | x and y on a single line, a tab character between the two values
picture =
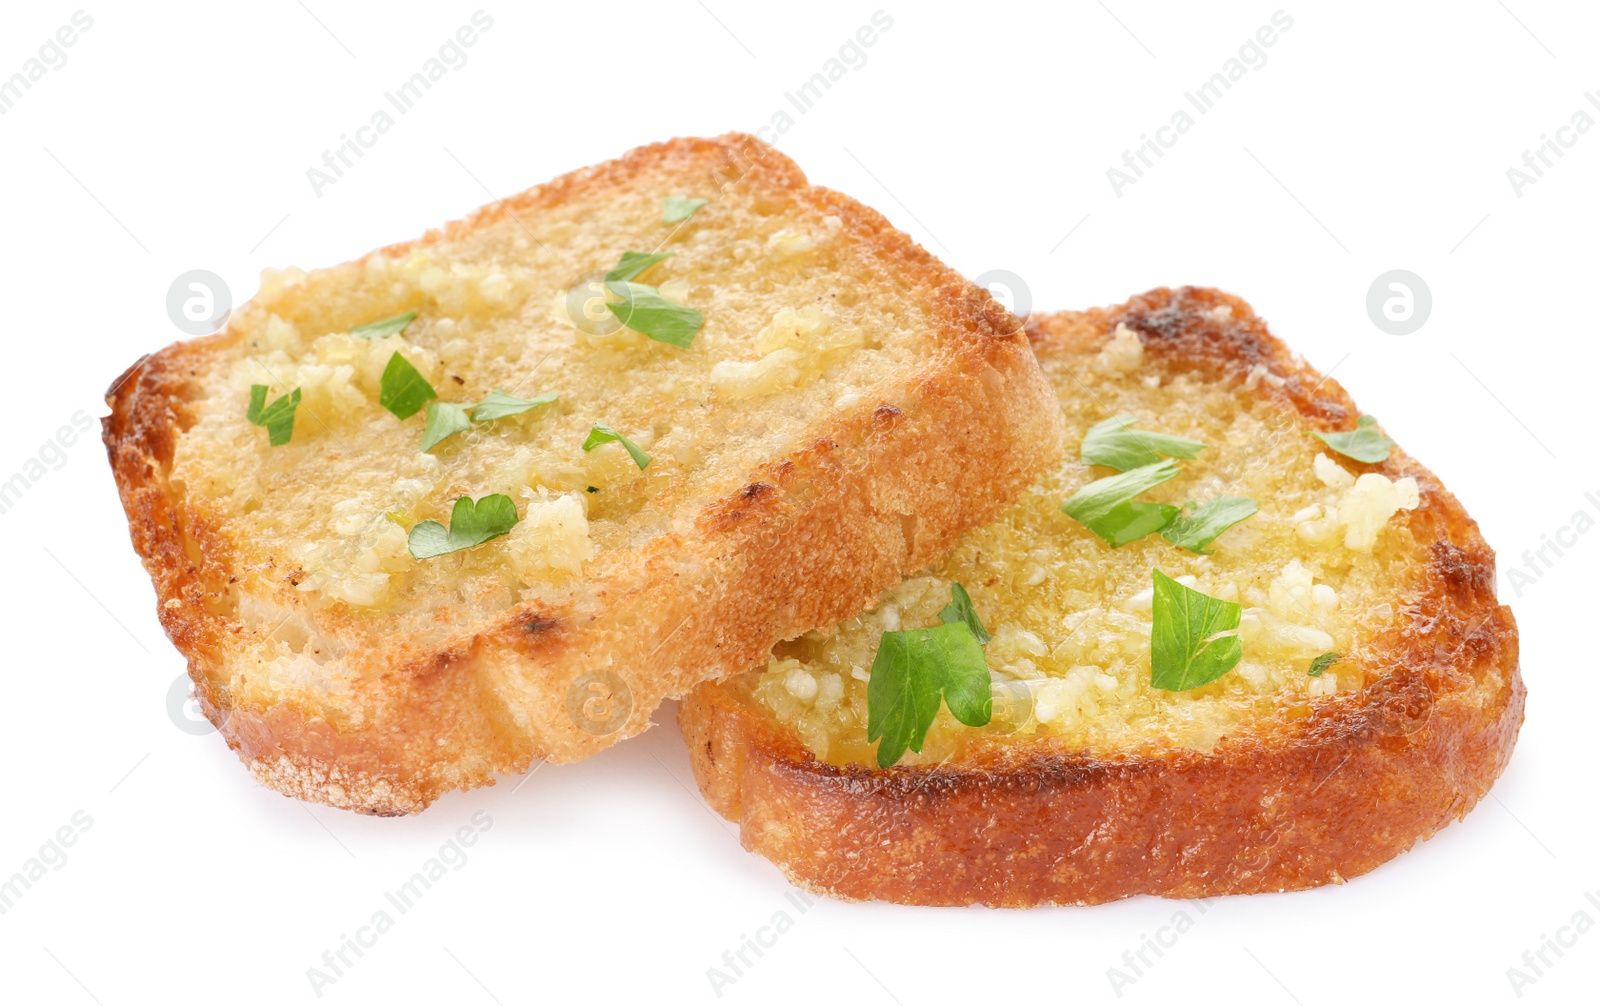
1106	505
1114	444
278	417
388	326
633	263
960	610
676	208
1188	647
1322	663
1366	443
499	405
644	310
1196	530
914	668
470	524
403	390
599	434
445	420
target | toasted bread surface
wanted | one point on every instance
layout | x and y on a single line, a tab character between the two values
1090	785
849	407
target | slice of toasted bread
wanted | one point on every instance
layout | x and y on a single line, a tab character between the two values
848	409
1090	784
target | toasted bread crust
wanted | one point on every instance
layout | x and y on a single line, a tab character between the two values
1286	806
809	539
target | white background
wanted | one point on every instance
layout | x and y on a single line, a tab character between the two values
1374	138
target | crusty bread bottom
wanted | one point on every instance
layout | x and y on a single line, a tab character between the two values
1285	807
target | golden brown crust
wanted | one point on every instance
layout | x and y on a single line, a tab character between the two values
1291	804
808	541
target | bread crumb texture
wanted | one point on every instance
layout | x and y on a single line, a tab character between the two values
1317	570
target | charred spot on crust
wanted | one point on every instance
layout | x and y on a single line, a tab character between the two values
534	623
1178	322
732	511
1461	570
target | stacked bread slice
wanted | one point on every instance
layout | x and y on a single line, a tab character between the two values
684	425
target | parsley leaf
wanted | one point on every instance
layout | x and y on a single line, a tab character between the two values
914	667
403	390
278	417
1322	663
910	672
960	610
1185	648
604	435
1134	520
676	208
470	524
1366	443
1196	530
1114	444
633	263
644	310
445	420
499	405
1106	505
388	326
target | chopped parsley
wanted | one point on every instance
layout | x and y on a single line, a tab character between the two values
633	263
1194	531
1107	507
388	326
915	668
278	417
403	390
1322	663
599	434
445	420
644	310
1193	637
471	523
499	405
1113	443
960	610
676	208
1366	443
